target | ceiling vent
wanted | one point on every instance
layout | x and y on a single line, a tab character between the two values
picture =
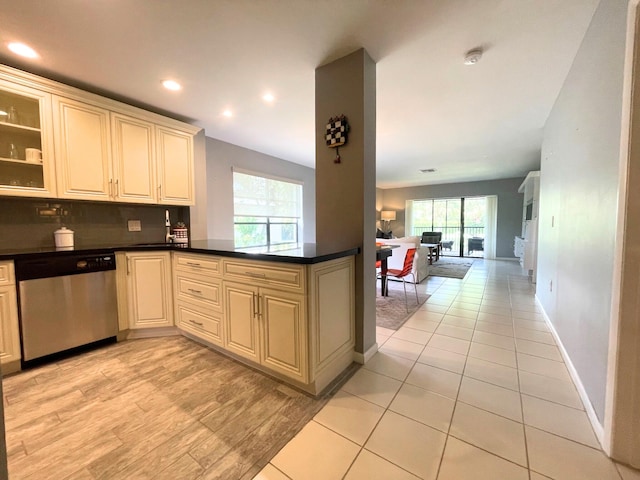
428	170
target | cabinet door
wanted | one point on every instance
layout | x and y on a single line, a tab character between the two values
26	142
175	167
83	154
9	334
149	292
283	332
133	160
240	329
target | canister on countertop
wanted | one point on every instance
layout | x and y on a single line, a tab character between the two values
64	238
181	233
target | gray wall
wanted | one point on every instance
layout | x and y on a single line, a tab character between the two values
509	205
221	157
578	194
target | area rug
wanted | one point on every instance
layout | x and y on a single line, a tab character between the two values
391	311
451	267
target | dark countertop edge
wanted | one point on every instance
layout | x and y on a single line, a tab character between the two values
274	257
270	257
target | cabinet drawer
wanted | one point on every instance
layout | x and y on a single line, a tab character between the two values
204	264
270	274
207	326
200	289
6	273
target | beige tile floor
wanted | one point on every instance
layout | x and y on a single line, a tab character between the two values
471	387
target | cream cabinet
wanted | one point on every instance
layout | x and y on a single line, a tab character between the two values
59	142
293	321
83	150
133	167
103	155
107	155
9	329
175	166
197	288
26	141
267	326
149	293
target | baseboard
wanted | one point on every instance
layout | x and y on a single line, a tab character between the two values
591	413
363	358
152	332
511	259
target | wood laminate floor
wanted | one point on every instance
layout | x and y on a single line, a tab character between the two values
160	408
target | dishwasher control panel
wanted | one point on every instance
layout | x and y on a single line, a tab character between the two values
57	265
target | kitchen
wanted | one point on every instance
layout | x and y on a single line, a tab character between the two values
266	310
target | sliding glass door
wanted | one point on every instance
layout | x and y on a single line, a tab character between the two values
474	221
461	220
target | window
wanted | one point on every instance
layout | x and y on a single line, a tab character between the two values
267	211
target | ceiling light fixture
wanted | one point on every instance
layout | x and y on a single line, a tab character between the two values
227	113
171	85
22	50
473	56
268	97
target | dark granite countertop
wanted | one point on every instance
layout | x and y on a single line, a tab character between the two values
307	253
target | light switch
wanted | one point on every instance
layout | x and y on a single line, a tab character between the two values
134	225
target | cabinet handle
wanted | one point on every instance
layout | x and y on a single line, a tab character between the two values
159	192
111	187
193	290
255	305
193	264
117	189
200	324
259	275
128	265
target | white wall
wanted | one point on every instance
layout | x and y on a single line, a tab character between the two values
222	157
578	196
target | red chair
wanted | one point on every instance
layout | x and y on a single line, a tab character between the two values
406	270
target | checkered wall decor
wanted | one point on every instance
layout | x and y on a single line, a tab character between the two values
337	130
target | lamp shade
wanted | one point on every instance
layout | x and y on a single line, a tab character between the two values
388	215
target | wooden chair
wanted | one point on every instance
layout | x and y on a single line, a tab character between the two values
406	270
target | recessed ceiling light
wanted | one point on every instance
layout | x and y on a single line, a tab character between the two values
227	113
268	97
171	85
428	170
22	50
473	56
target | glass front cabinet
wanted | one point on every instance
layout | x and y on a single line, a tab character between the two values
26	142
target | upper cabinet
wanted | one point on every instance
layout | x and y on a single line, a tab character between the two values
60	142
83	152
26	142
134	165
175	166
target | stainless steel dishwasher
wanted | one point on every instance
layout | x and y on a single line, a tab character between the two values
66	301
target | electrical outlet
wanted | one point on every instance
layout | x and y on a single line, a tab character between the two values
553	218
134	225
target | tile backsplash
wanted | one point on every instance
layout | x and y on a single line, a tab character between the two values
30	223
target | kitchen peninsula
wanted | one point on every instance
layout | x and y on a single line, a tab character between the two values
289	313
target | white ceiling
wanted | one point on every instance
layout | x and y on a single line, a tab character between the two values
469	122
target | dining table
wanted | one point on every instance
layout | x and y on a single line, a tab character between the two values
383	252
